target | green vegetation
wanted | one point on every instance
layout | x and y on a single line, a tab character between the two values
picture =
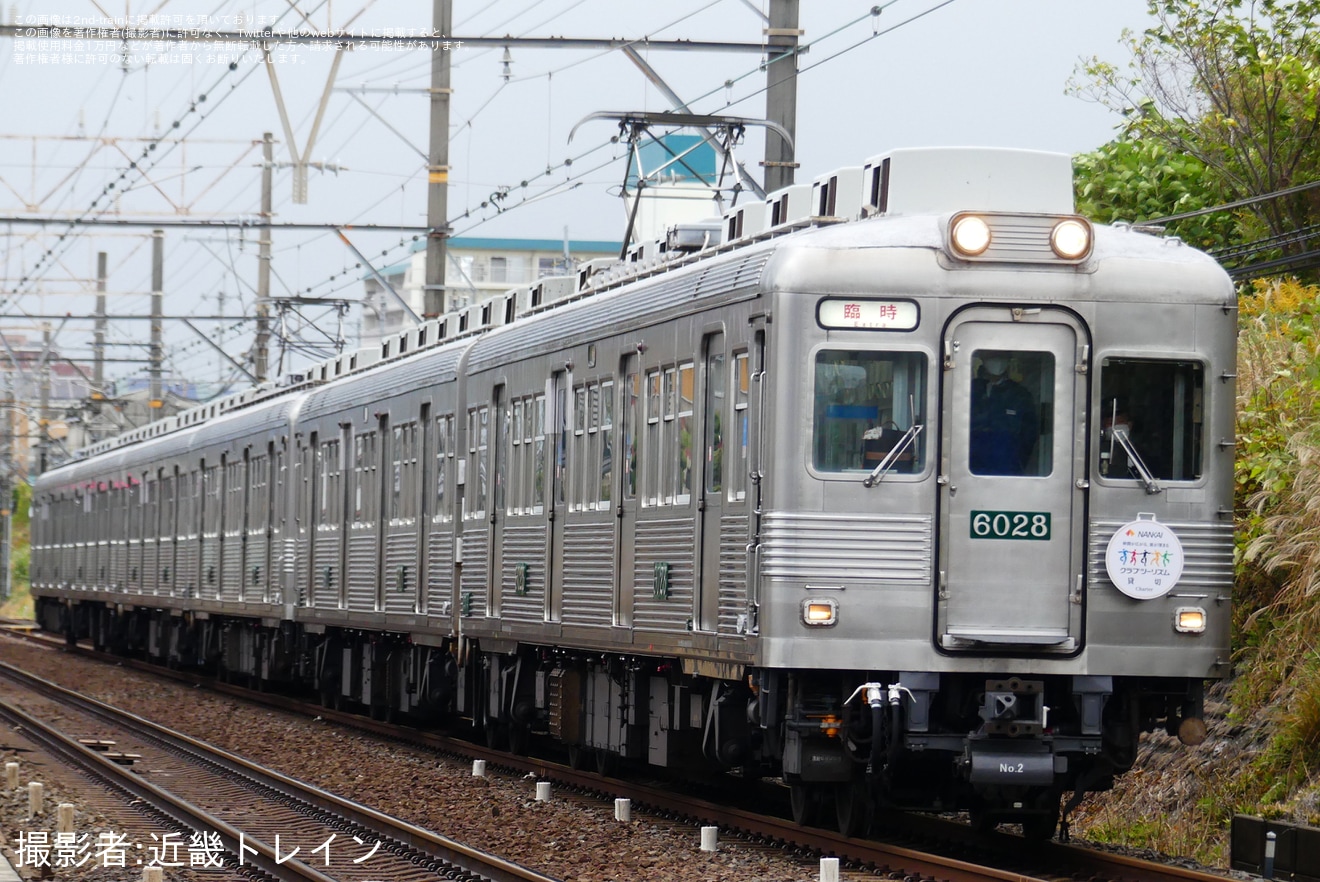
1278	488
1221	102
19	603
1136	179
1266	761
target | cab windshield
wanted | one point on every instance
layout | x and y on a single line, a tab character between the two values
864	402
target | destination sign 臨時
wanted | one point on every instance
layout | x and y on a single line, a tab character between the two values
882	315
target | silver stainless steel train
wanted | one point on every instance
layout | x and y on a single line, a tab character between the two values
908	486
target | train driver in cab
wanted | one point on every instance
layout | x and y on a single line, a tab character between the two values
1005	420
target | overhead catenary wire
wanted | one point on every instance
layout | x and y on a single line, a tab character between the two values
141	168
871	14
481	213
501	209
95	210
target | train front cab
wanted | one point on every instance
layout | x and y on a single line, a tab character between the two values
981	615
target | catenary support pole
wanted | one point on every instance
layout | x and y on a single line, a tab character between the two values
98	346
437	167
261	350
156	395
781	37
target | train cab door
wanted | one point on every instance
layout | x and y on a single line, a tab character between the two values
1013	461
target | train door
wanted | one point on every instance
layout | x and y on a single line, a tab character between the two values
383	455
557	506
212	503
1012	556
349	494
424	497
706	593
276	522
169	527
309	483
629	426
498	457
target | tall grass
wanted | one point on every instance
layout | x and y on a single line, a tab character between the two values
1278	486
1274	700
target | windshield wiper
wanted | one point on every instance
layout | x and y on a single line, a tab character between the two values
1121	436
892	456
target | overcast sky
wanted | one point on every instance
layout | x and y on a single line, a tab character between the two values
923	72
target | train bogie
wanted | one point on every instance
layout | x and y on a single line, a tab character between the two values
928	509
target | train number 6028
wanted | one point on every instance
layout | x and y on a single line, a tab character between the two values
1028	525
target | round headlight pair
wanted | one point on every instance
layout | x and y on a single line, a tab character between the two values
1070	239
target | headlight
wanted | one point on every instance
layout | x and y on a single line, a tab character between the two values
970	235
820	612
1071	239
1189	620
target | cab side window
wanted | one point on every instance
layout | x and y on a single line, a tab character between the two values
864	404
1159	406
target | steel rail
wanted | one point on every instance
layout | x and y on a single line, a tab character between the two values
429	843
181	812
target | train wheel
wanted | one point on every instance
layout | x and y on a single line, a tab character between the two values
329	694
1039	828
495	739
519	738
607	762
802	802
852	809
981	820
578	756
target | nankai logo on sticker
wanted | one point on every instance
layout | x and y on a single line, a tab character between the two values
1144	558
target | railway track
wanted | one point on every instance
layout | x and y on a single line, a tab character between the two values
915	847
286	829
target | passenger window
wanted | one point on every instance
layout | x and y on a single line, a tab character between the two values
398	456
1158	405
606	442
538	456
737	443
715	398
518	446
631	405
403	473
865	403
1012	399
579	451
364	478
327	468
652	449
444	455
258	511
474	501
684	392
